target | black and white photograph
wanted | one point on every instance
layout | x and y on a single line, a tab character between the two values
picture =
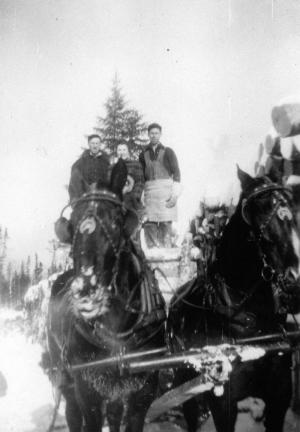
149	216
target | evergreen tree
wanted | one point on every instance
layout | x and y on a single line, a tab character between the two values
121	124
14	292
36	271
3	248
54	246
24	282
9	277
3	255
28	270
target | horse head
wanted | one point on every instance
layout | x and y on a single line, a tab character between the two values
101	227
266	208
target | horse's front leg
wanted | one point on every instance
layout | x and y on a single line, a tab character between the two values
114	414
224	411
90	404
278	392
73	413
191	409
241	384
139	403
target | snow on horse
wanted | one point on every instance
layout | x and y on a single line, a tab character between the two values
108	305
248	290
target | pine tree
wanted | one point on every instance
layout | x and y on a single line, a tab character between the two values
3	248
24	282
9	277
4	286
28	267
2	251
36	271
121	124
14	289
54	245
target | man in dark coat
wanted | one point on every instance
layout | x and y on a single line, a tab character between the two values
91	168
135	179
162	187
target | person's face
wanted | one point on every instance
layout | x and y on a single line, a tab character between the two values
122	151
95	145
154	136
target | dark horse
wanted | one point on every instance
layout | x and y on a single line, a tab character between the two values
247	292
108	305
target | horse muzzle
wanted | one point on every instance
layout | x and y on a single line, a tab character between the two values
89	298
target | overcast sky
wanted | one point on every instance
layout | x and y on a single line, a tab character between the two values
208	70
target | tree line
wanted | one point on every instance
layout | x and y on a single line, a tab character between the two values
16	279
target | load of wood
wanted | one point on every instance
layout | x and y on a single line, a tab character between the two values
286	117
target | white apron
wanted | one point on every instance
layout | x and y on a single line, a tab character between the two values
157	192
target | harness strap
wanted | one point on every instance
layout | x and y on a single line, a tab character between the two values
230	309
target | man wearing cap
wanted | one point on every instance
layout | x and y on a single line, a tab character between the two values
162	186
92	167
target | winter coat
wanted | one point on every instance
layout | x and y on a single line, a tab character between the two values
86	170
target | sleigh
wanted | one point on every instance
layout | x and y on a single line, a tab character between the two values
172	268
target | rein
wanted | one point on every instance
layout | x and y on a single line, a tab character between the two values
268	273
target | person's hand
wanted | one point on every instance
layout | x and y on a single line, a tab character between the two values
171	202
128	185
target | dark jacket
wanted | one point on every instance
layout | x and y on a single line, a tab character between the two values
86	170
170	160
133	198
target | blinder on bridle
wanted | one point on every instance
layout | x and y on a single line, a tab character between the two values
88	221
281	209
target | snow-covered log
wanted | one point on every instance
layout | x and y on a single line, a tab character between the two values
286	117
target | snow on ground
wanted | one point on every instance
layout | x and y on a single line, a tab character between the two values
27	405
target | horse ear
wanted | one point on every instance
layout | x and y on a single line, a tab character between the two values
245	179
118	177
64	230
131	223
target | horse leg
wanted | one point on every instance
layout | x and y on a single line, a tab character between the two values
278	393
224	412
224	408
139	403
73	413
90	405
191	414
114	414
191	410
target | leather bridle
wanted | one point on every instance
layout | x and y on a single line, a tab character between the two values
268	272
95	198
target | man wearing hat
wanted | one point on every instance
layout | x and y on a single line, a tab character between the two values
162	186
92	167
